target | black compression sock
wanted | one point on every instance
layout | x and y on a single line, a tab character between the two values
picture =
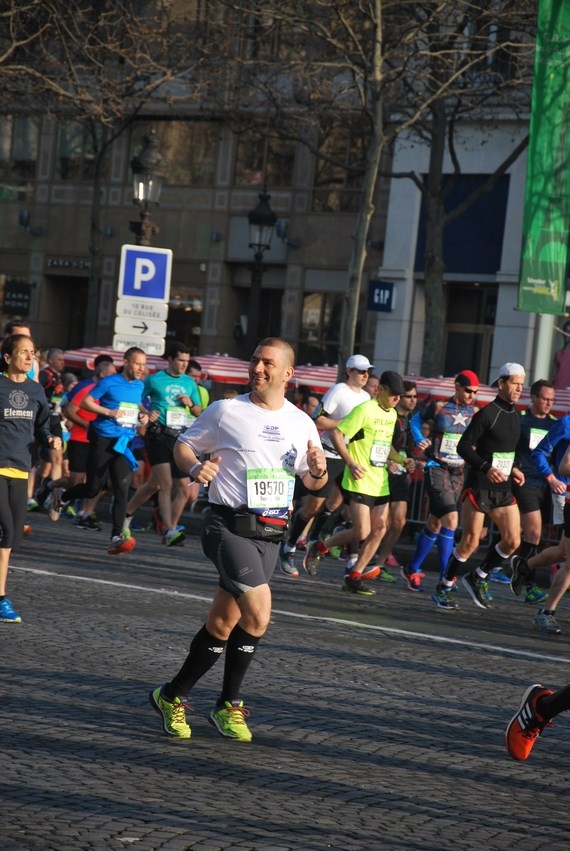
205	651
240	651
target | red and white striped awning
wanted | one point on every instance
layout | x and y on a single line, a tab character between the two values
318	378
228	370
220	368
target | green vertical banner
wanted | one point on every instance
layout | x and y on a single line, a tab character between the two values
546	223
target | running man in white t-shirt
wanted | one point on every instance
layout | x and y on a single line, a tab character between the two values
257	443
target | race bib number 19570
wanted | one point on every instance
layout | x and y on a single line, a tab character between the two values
269	488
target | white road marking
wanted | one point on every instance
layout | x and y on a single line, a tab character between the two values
426	636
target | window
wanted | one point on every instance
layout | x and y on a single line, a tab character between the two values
472	243
320	328
263	160
19	140
189	147
78	146
340	167
185	316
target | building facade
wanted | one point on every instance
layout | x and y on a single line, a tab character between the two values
483	327
48	247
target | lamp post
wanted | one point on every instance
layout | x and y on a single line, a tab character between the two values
149	168
261	223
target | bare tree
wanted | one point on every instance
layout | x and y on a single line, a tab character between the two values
96	64
287	69
400	67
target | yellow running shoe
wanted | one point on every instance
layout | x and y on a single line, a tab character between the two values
229	721
173	714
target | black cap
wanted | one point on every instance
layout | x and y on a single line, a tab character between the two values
393	381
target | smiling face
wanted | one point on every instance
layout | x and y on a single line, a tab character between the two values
270	370
465	395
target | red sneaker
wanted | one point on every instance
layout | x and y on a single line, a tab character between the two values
370	572
392	561
526	725
120	544
413	580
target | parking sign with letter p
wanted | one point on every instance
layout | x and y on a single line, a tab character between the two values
145	273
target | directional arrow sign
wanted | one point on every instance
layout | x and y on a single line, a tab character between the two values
149	345
142	309
140	327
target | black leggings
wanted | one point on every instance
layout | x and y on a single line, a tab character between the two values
103	463
554	704
13	501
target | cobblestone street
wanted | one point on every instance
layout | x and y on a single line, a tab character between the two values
378	724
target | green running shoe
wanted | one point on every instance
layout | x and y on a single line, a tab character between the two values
229	721
534	595
173	714
336	551
444	597
385	575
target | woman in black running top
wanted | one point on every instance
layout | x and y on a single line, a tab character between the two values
24	417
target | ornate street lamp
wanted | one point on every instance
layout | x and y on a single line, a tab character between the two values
149	168
261	223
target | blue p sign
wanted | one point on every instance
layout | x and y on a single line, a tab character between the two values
145	273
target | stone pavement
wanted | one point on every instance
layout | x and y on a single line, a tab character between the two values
377	724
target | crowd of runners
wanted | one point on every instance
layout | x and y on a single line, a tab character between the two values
330	477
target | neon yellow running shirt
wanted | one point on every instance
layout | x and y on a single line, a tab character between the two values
370	430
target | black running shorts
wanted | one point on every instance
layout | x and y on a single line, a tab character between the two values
160	450
242	563
530	498
486	501
77	455
399	487
367	499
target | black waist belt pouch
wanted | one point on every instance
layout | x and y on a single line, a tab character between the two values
248	525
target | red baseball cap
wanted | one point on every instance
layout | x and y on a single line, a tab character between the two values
467	378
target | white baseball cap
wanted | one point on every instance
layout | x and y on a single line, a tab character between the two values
510	369
358	362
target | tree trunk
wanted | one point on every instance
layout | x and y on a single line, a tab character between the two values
90	333
433	354
366	209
